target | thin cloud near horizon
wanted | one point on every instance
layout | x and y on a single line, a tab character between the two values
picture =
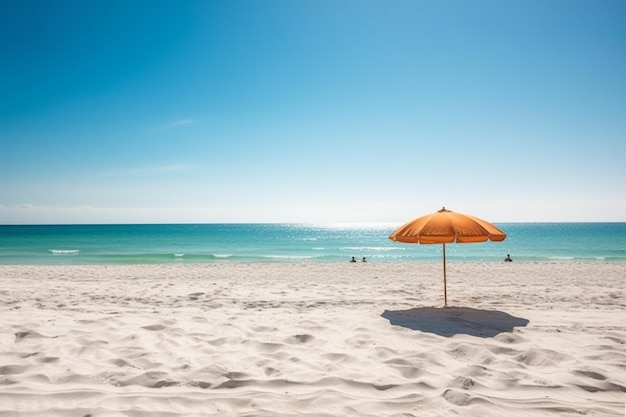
29	206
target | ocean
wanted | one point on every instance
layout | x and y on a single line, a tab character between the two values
202	243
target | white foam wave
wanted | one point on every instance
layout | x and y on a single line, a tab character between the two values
64	251
179	255
372	248
222	255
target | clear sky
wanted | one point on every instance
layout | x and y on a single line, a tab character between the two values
311	111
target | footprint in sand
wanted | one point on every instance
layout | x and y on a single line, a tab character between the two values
154	327
194	296
19	336
12	370
299	338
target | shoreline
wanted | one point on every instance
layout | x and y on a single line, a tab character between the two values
539	339
177	261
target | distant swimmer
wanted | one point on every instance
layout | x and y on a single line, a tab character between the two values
353	260
508	258
364	260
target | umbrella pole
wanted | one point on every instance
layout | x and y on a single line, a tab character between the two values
445	291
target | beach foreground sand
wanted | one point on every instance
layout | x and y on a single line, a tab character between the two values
363	339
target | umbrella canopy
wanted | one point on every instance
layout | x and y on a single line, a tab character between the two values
446	226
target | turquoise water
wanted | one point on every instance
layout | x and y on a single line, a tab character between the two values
199	243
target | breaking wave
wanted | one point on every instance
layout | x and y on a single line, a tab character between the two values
64	251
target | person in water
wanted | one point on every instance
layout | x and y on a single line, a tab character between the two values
508	258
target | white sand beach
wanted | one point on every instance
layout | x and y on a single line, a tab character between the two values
360	339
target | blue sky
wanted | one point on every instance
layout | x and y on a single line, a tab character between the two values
311	111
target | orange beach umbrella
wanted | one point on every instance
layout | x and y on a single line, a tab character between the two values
446	226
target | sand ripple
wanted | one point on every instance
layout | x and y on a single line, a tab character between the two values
312	340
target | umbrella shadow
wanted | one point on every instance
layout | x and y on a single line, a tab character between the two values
450	321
